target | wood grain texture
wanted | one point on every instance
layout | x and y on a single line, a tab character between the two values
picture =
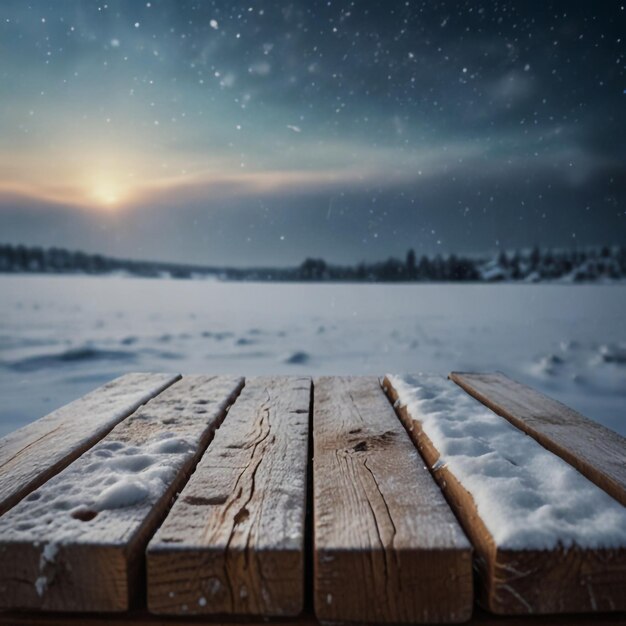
521	582
33	454
479	618
594	450
234	540
387	547
77	542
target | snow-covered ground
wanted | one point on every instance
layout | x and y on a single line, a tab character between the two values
61	336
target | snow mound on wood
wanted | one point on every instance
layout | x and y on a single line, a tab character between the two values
102	489
527	497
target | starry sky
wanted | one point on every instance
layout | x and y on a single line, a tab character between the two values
263	132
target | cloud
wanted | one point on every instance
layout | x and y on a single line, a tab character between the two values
126	179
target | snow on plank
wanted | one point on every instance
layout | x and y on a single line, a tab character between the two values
33	454
594	450
77	542
387	547
234	540
547	540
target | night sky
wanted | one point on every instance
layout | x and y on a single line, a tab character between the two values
265	132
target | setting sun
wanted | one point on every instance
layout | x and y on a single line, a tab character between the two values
107	193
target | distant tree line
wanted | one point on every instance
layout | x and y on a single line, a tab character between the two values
451	268
576	265
19	258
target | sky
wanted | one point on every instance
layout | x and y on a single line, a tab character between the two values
262	133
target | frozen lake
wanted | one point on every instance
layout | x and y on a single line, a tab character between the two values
62	336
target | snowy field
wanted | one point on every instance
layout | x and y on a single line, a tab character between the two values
62	336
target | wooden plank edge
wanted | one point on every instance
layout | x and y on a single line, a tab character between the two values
595	475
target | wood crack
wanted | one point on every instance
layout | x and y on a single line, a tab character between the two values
26	447
386	548
243	513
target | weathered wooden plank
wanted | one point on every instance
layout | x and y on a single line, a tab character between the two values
387	547
479	618
77	542
234	540
546	539
594	450
38	451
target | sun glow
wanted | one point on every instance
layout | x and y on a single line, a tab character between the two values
108	193
111	181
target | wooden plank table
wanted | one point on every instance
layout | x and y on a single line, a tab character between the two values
306	492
